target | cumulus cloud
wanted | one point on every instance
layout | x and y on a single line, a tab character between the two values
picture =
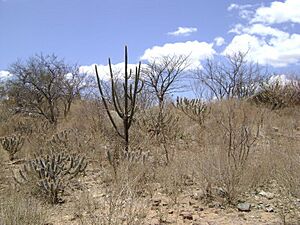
232	7
183	31
276	51
4	75
260	30
103	70
278	12
281	79
266	44
219	41
244	11
196	51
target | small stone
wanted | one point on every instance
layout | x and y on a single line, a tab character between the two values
244	207
199	209
268	195
198	195
156	202
186	215
192	203
269	209
171	211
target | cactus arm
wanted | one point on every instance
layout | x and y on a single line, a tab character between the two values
105	103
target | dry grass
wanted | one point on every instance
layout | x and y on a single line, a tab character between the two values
238	148
17	209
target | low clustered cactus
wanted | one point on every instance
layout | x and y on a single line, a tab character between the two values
12	144
51	173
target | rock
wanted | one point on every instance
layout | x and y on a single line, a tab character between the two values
267	195
164	204
198	208
244	207
198	195
269	209
171	211
192	202
156	202
186	215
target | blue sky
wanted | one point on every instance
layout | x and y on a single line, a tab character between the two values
90	31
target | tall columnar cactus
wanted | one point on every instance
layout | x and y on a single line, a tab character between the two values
12	144
51	173
125	105
195	109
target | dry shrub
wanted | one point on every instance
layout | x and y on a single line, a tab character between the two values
15	209
175	176
277	95
230	146
161	130
121	201
282	134
118	207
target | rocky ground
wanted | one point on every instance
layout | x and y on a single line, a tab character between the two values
91	200
262	206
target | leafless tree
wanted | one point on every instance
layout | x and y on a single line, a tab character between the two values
43	85
233	77
163	76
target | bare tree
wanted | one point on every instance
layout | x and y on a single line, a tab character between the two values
42	85
233	77
72	87
163	76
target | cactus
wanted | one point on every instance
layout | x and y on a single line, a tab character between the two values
60	139
136	156
51	173
195	109
12	144
126	106
22	128
67	140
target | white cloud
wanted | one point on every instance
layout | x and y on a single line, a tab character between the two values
219	41
232	7
260	30
245	11
4	75
267	44
103	70
280	79
237	29
278	12
276	51
183	31
196	50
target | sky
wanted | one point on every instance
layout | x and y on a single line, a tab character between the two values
87	32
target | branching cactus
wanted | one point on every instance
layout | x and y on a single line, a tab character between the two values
195	109
60	139
22	128
51	174
12	144
124	105
68	139
136	156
